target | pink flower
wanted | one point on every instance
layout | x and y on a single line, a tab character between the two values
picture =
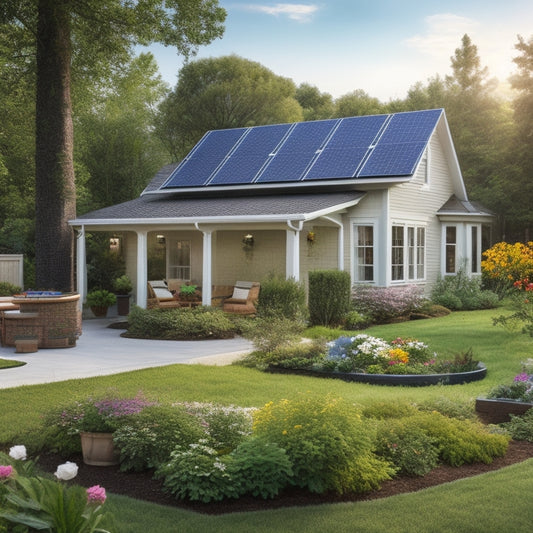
6	471
96	494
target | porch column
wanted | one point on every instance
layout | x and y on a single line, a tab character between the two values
292	264
142	270
81	266
206	268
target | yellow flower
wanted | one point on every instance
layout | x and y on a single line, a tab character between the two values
284	432
298	426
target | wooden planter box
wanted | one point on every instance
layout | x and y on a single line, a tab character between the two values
496	410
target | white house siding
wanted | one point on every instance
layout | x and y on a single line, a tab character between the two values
320	255
417	202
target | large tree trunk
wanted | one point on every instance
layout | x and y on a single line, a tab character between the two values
54	180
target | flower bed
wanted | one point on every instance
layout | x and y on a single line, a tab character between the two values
367	359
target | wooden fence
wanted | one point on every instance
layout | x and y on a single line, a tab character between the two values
12	269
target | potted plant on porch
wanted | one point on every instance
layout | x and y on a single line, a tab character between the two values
123	287
99	301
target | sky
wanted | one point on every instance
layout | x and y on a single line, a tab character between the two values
383	47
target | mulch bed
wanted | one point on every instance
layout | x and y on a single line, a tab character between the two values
141	485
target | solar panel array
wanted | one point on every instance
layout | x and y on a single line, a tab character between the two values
347	148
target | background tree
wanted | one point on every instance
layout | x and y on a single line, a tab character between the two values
223	92
116	146
357	103
315	105
521	187
106	29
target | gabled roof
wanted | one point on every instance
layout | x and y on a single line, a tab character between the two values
322	153
456	207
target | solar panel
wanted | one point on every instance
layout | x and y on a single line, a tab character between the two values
399	159
415	126
346	148
247	159
204	159
297	152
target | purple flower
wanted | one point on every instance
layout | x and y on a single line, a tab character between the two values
6	471
96	494
521	377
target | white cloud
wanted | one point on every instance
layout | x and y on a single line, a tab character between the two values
298	12
443	34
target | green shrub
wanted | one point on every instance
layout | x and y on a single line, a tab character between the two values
410	449
328	443
260	468
197	473
521	427
280	297
8	289
461	441
271	333
462	292
329	296
355	320
147	438
389	409
302	355
450	408
179	324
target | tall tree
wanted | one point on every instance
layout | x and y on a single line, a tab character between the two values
223	92
522	186
315	105
106	29
357	103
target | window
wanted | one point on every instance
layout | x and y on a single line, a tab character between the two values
180	260
451	249
475	250
408	249
397	252
364	253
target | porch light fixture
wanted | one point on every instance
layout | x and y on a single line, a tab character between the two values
114	244
160	239
248	240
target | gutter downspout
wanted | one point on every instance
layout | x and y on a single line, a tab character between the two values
81	266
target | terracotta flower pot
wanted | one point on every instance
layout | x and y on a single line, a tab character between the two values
98	449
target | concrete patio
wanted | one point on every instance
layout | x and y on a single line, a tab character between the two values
101	350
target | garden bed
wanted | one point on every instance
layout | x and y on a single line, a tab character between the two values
142	486
498	410
409	380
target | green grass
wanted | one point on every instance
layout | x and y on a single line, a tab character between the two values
468	505
9	363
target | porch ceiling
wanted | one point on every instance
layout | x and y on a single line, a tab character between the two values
264	208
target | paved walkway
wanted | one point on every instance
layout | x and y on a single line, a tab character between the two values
101	350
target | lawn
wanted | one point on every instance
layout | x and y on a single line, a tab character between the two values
469	505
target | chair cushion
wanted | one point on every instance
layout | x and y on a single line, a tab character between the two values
240	293
163	294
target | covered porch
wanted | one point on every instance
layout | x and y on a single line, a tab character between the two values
286	235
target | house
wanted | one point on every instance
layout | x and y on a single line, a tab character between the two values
380	196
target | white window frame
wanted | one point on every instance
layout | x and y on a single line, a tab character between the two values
356	247
413	252
446	246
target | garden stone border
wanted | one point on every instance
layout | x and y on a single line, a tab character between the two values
498	410
408	380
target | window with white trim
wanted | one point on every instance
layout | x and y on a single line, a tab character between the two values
451	250
408	253
363	252
475	251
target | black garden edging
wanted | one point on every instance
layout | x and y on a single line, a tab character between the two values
408	380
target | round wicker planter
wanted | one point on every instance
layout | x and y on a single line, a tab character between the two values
409	380
98	449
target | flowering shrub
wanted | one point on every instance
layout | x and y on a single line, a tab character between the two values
328	444
197	473
372	355
506	263
383	304
521	427
147	439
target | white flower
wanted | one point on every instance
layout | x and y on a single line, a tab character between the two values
18	452
66	471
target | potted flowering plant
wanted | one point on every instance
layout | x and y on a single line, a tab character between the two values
514	398
96	420
123	287
99	301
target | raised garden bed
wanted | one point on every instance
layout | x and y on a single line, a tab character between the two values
409	380
497	410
